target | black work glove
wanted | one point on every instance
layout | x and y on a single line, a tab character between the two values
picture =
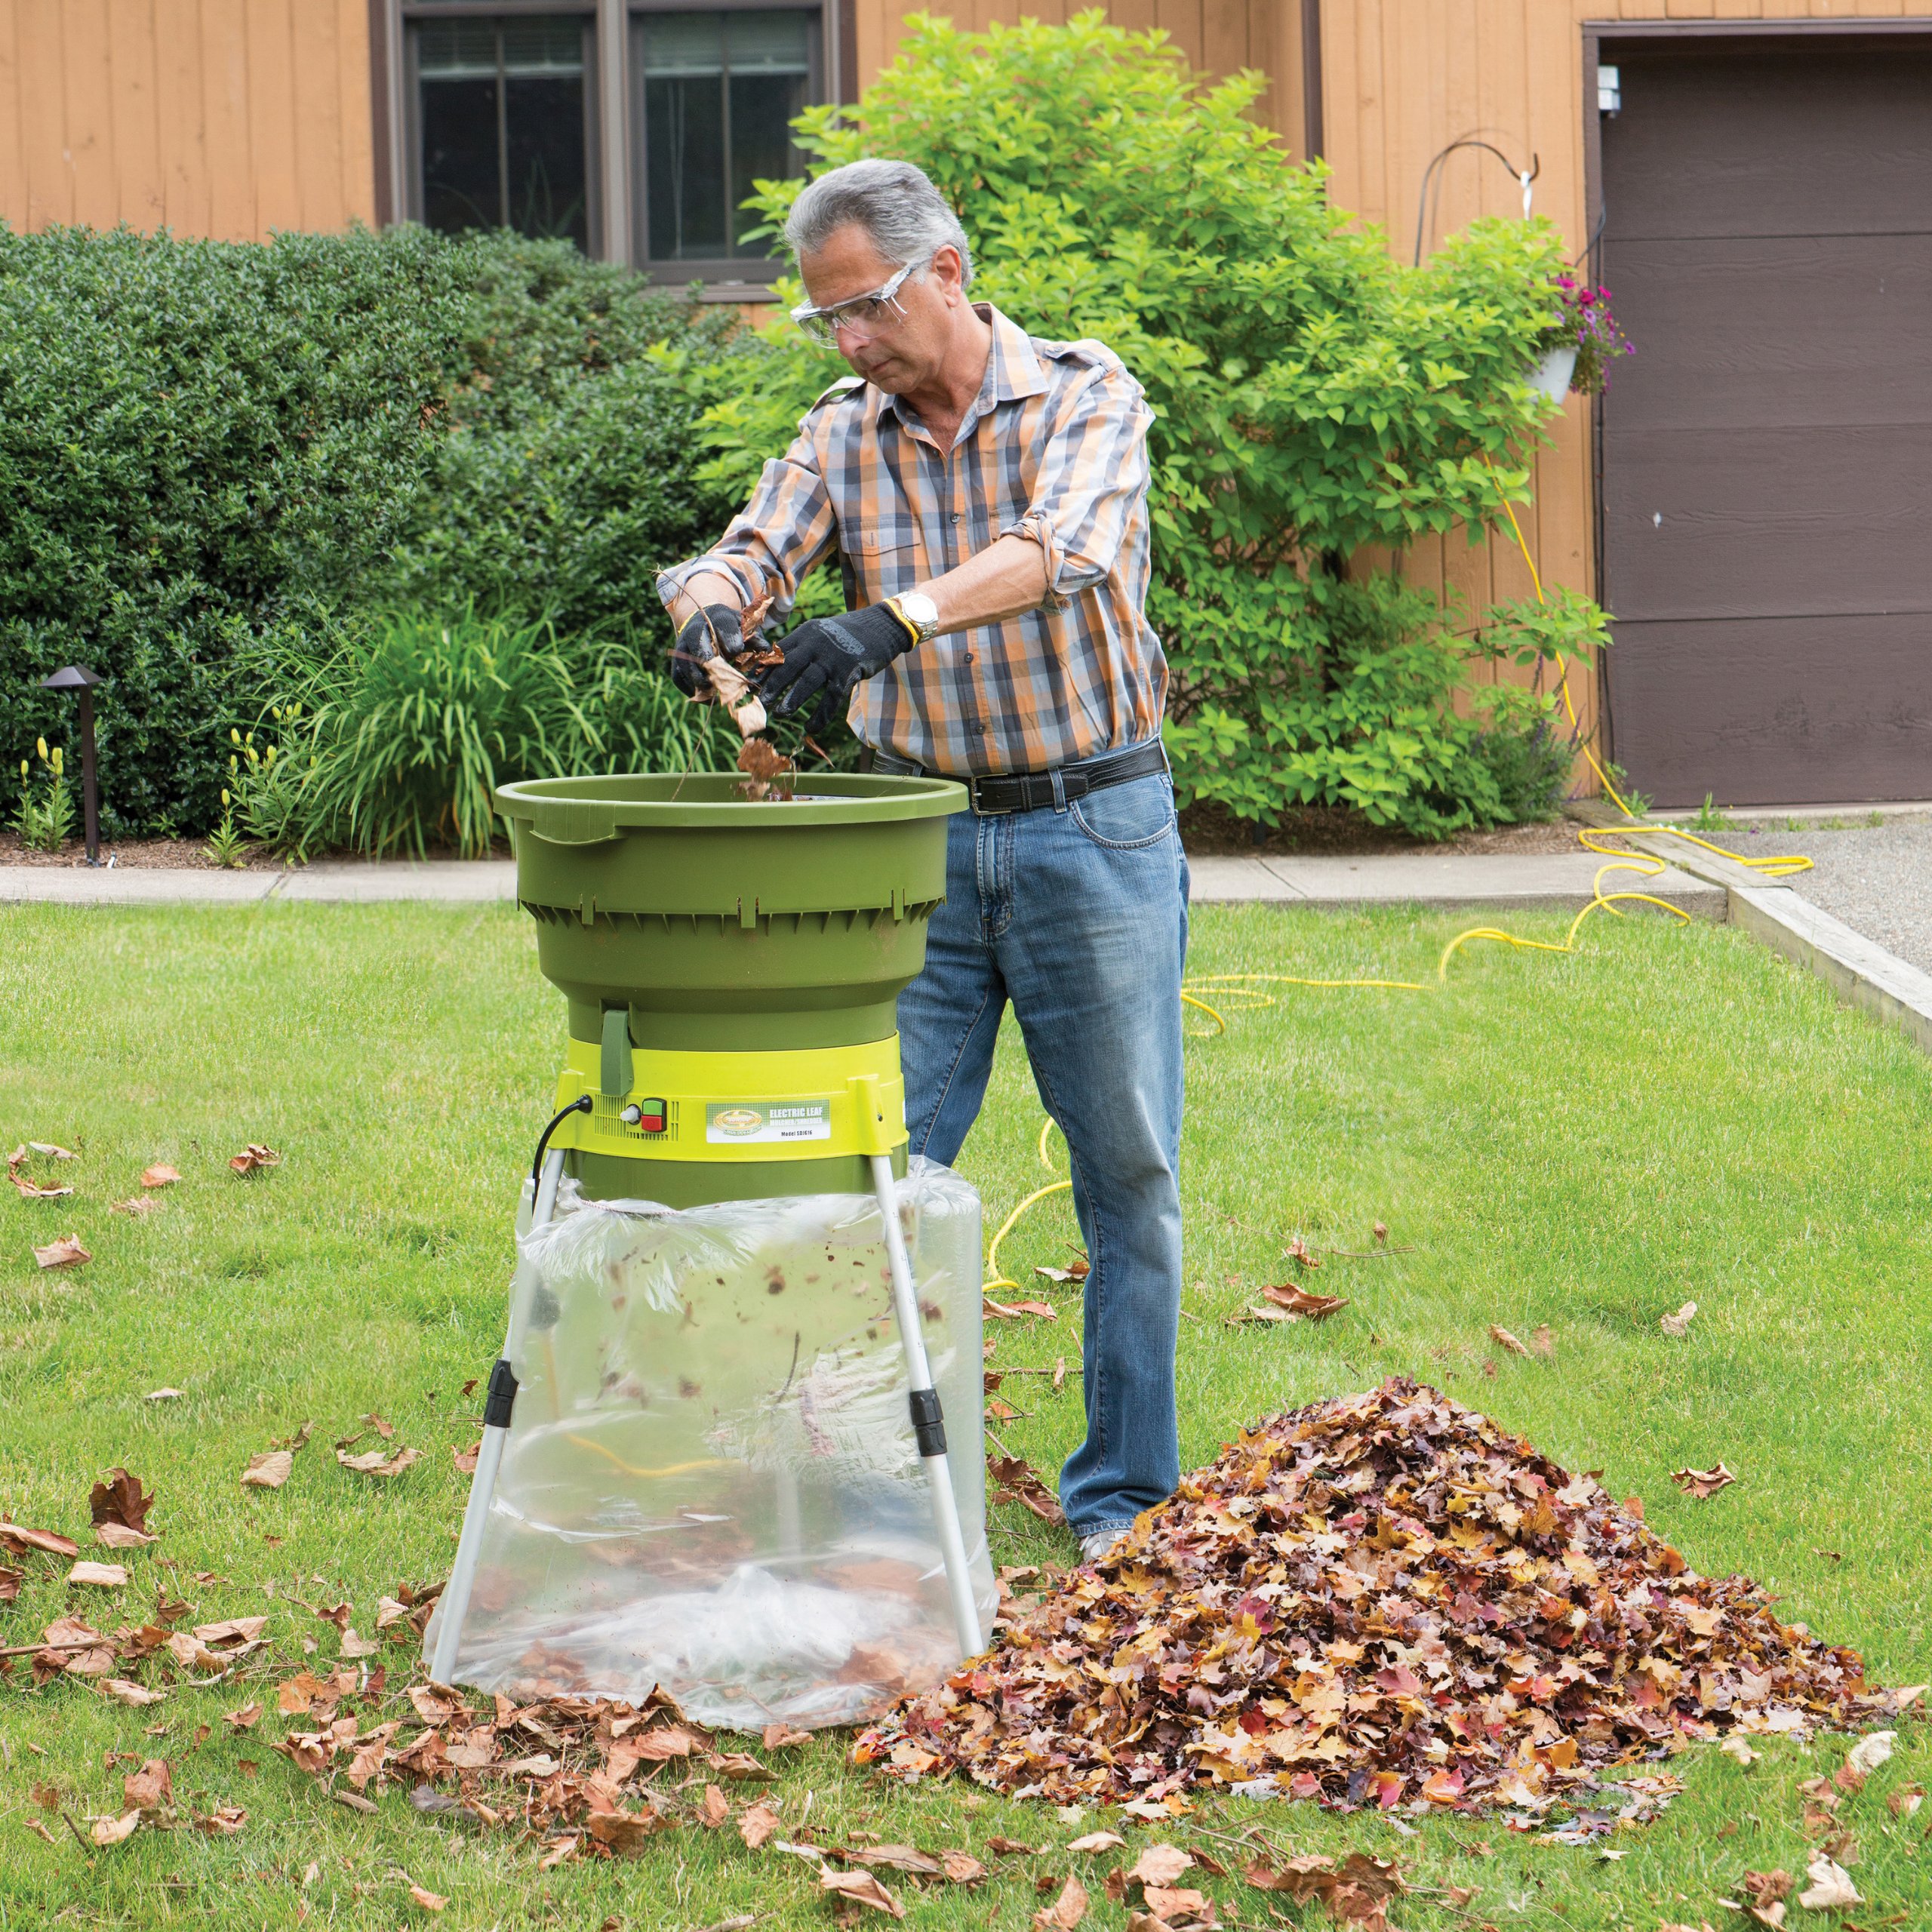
714	630
826	657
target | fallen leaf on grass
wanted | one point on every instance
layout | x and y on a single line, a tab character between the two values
429	1900
117	1500
1097	1841
67	1252
246	1718
124	1691
165	1394
861	1887
51	1148
1381	1233
1679	1323
118	1535
1168	1902
100	1576
1160	1864
10	1581
1299	1301
758	1824
1831	1887
17	1538
1542	1342
782	1737
223	1822
665	1741
115	1831
716	1807
159	1175
1013	1311
34	1190
254	1155
1503	1339
140	1204
1067	1911
268	1470
1736	1747
1869	1752
894	1857
1703	1483
376	1462
1016	1481
466	1460
232	1630
151	1787
742	1768
352	1646
962	1867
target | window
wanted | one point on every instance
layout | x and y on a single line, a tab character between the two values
504	113
715	95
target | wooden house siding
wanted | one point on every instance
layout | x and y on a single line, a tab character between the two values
228	119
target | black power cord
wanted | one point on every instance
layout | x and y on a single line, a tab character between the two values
581	1105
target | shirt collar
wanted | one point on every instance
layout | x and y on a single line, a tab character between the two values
1013	369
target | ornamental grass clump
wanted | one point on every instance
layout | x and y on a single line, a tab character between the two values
1381	1599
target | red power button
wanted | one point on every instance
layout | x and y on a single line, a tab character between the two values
650	1116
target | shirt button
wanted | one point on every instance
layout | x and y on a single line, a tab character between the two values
957	517
968	658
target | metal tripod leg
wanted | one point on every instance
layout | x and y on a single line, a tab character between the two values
928	1425
454	1606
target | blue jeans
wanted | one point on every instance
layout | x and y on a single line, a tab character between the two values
1079	917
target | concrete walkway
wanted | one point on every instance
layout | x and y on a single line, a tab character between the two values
1446	879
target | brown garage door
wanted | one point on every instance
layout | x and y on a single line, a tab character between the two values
1767	451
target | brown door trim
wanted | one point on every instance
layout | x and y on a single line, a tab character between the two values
1311	79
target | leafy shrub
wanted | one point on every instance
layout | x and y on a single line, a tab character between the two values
1314	399
202	442
395	739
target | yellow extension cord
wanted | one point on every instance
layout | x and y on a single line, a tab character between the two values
1245	987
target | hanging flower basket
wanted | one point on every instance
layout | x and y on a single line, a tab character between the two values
1575	352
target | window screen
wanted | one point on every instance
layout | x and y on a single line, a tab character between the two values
719	92
503	116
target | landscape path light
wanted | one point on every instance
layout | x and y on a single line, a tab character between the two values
78	678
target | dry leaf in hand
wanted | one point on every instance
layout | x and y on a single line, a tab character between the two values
862	1887
1678	1323
253	1156
376	1463
118	1498
1503	1339
1299	1302
102	1576
158	1176
269	1470
1067	1911
1703	1483
67	1252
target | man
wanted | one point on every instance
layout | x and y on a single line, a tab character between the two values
987	495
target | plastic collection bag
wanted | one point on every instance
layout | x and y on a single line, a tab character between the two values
710	1484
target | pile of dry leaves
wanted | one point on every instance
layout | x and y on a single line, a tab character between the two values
1381	1598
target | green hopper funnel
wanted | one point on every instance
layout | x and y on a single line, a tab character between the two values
725	958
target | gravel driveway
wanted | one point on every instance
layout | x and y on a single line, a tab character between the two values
1877	879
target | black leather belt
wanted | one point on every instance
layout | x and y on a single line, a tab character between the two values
998	793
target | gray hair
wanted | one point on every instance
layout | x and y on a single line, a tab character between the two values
895	202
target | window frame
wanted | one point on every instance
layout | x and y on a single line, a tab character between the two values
726	278
412	14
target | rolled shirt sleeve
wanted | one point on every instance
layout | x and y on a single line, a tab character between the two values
1091	482
774	541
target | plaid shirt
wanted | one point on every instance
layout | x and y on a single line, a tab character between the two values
1053	448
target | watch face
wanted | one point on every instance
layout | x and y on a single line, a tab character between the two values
920	609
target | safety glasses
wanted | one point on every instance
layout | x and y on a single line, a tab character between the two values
866	314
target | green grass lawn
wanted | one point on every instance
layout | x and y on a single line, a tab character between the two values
1672	1115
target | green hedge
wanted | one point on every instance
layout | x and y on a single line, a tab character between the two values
206	448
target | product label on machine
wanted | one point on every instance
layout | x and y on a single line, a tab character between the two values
784	1120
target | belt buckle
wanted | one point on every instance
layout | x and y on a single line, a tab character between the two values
985	810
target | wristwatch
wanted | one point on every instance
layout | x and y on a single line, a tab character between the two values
919	611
